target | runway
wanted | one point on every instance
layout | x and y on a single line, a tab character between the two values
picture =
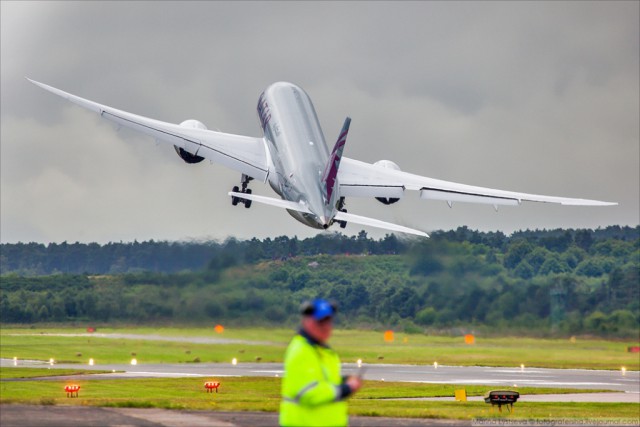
627	382
86	416
626	389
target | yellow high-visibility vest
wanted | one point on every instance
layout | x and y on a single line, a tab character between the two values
312	390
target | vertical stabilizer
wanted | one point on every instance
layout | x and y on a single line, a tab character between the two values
329	178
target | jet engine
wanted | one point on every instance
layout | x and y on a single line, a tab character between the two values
184	154
388	164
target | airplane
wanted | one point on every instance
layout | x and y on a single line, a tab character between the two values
293	157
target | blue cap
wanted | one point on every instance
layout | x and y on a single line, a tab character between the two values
319	309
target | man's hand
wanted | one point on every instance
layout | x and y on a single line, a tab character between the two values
354	383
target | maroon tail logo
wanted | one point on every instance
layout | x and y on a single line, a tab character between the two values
331	170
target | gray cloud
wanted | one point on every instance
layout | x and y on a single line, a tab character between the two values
537	97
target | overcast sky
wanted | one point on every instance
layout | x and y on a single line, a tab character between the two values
538	97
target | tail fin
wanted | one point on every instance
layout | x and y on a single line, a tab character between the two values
331	170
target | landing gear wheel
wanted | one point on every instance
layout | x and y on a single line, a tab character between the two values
237	199
343	224
247	202
234	199
341	208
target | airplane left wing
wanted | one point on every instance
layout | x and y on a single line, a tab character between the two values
360	179
242	153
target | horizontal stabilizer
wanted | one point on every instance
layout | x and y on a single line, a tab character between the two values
362	220
340	216
285	204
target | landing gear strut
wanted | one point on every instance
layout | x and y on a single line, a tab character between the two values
341	208
244	181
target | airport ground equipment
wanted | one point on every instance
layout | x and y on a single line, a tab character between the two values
502	397
72	390
211	385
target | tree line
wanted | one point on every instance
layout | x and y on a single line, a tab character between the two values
542	282
37	259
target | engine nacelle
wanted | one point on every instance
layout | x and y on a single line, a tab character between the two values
184	154
195	124
387	164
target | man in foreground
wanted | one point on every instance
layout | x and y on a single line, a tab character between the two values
313	389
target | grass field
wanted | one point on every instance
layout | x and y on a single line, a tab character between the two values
262	394
369	346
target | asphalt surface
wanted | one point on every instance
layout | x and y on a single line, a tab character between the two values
85	416
627	382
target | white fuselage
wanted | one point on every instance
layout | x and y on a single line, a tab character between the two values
297	149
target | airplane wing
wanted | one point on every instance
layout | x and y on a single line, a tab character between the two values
360	179
242	153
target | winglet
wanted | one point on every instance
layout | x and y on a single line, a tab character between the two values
85	103
331	170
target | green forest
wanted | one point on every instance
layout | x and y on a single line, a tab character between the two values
542	282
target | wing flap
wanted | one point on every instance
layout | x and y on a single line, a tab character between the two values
389	191
453	196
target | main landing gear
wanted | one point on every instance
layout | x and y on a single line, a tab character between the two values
244	182
341	208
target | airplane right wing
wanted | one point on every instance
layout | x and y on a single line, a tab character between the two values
245	154
360	179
